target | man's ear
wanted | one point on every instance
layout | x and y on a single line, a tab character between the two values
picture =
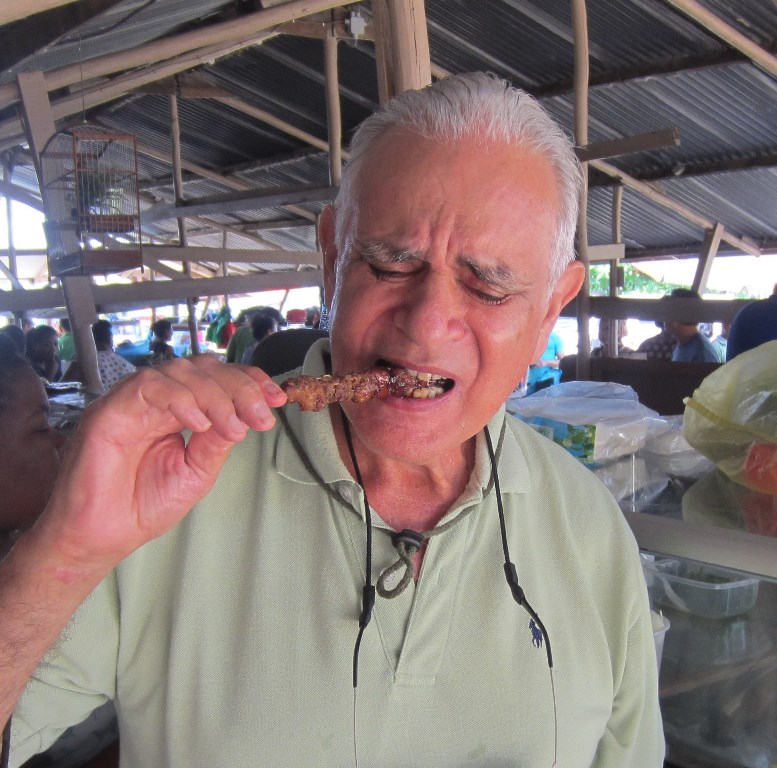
566	288
326	237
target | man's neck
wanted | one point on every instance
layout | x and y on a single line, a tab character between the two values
409	495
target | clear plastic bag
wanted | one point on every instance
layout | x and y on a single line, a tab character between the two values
595	421
732	418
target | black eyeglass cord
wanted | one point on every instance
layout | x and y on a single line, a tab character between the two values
368	591
517	591
5	752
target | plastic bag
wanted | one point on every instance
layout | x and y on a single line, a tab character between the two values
594	421
732	418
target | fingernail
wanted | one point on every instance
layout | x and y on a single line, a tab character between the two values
271	389
236	425
200	422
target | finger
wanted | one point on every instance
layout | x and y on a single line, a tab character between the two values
206	453
147	404
253	392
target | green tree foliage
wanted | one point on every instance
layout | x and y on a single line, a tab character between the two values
635	282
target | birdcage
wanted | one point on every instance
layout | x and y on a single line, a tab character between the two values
90	192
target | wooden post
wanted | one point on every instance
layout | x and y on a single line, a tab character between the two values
79	300
401	46
333	117
580	25
709	250
617	206
175	130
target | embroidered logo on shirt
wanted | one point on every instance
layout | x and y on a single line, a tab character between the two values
536	635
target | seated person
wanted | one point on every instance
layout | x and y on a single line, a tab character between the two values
160	348
29	448
658	347
42	350
545	371
16	335
692	345
753	325
112	366
720	343
262	326
603	349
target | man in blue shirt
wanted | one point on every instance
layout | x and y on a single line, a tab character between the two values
692	346
545	371
753	325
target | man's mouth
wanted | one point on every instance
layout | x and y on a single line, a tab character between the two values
419	385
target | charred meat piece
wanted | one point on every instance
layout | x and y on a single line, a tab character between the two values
313	393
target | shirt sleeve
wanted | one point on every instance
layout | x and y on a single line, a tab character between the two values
61	693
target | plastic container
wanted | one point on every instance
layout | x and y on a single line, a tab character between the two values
703	590
660	628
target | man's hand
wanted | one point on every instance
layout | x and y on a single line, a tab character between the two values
130	476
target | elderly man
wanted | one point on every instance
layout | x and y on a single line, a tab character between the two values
244	632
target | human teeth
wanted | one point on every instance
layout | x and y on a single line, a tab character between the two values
412	373
418	394
424	376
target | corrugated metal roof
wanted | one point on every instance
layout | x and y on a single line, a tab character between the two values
651	68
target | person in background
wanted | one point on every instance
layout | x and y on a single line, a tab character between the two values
692	345
66	343
111	365
753	325
16	335
262	326
296	318
545	371
658	347
160	347
720	343
30	455
313	317
603	349
29	449
238	582
42	350
243	337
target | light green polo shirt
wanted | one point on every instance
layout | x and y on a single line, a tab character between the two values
229	641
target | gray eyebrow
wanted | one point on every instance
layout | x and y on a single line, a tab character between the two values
497	275
375	250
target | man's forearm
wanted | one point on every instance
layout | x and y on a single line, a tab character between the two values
39	591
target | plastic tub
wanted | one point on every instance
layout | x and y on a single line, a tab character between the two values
703	590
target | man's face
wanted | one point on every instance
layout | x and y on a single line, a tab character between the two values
447	272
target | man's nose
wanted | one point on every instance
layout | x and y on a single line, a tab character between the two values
432	310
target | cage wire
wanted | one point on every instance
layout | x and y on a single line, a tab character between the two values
90	191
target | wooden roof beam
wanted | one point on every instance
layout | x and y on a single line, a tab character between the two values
728	34
220	255
649	191
15	11
238	201
240	32
113	298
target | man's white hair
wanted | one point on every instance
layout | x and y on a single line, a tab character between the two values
470	105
